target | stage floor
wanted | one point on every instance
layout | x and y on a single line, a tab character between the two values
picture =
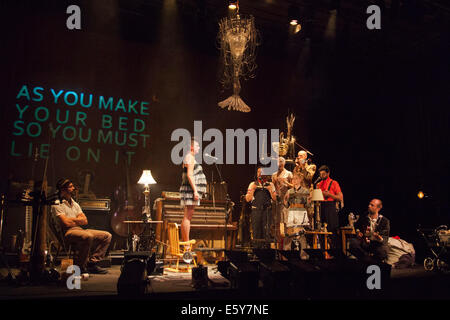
406	284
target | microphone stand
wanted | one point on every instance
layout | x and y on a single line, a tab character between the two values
227	207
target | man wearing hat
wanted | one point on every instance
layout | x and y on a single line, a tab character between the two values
91	241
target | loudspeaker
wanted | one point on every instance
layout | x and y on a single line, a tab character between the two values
275	278
133	278
265	255
243	276
98	220
200	277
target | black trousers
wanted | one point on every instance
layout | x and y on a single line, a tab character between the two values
329	214
260	218
361	249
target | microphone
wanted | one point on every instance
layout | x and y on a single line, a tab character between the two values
318	180
210	156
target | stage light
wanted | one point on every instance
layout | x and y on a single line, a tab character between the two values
233	5
294	19
420	195
294	27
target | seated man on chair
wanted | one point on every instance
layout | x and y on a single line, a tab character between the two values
372	235
72	218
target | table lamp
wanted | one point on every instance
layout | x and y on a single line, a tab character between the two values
317	196
147	179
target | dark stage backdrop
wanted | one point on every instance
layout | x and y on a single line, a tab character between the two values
372	105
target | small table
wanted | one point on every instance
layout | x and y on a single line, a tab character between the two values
150	237
344	232
316	238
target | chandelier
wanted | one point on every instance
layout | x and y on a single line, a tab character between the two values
237	40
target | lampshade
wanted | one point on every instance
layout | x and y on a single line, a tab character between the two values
317	195
146	178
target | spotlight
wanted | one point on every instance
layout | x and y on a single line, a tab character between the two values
294	27
294	18
233	5
420	195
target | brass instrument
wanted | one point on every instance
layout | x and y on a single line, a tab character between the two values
287	144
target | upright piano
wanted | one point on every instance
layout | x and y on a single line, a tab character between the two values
209	225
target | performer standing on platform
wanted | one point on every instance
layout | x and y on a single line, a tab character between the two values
333	194
193	187
260	193
282	180
297	201
72	218
305	168
372	234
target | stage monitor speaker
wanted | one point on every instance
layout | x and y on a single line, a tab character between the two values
222	267
133	278
200	277
243	276
275	277
265	255
236	256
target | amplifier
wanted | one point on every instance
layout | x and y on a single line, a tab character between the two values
95	204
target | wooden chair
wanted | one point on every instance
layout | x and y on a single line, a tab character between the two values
174	251
56	236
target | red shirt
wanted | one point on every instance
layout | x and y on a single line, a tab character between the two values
335	188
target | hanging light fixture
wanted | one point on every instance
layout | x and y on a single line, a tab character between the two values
237	40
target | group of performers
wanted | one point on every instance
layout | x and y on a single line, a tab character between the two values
290	192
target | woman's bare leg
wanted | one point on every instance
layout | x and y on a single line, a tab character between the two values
186	223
